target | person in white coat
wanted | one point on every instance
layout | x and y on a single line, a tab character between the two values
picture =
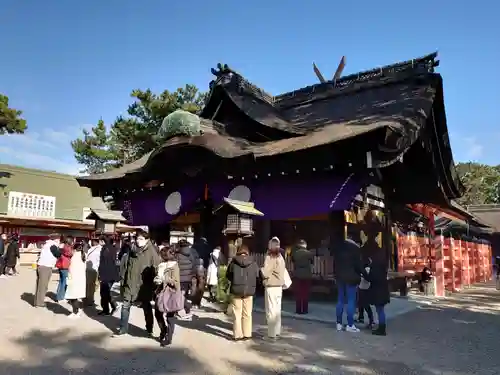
93	258
77	285
213	272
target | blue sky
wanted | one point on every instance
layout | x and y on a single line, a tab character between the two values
68	63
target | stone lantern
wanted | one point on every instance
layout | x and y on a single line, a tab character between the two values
239	222
106	220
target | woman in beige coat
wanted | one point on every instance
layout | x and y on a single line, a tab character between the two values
273	275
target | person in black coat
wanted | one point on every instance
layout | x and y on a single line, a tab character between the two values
348	270
379	290
108	275
243	274
11	255
125	249
3	240
187	261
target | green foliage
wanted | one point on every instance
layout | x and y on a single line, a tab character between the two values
11	121
94	149
180	122
223	295
130	137
482	183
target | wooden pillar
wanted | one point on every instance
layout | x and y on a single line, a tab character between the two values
402	243
387	235
452	261
461	255
438	266
337	225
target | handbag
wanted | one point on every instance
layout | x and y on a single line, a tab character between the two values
288	280
170	300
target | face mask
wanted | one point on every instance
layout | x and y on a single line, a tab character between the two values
141	242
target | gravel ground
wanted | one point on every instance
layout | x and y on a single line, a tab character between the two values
454	336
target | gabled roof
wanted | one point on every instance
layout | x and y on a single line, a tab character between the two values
242	207
488	213
106	215
384	110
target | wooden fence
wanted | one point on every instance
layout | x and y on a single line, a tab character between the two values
322	265
455	263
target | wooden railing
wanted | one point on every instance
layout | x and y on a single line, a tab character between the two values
322	265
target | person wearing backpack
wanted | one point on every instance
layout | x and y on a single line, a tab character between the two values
62	264
242	273
45	264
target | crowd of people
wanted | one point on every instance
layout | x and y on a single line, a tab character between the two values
168	281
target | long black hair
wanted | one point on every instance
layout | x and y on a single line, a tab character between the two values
79	247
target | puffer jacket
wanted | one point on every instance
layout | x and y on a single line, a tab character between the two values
186	259
242	273
348	267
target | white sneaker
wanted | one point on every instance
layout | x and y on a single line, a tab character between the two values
74	316
186	318
3	276
340	327
352	328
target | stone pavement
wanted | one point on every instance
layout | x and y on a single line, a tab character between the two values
324	312
451	336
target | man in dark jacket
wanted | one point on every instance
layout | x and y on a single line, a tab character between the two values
348	270
11	256
3	240
187	260
137	273
124	249
242	273
108	275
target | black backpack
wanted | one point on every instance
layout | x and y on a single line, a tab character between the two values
56	251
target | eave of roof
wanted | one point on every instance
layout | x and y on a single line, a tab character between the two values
392	114
398	98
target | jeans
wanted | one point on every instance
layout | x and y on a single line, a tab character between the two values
349	292
125	315
381	314
63	283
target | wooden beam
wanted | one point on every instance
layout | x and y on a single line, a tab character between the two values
318	74
340	69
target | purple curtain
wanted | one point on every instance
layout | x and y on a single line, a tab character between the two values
290	197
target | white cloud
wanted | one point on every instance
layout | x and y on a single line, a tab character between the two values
474	150
466	148
49	149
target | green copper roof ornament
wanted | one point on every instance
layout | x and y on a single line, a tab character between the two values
180	123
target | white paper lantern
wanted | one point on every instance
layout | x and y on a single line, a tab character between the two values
173	203
240	193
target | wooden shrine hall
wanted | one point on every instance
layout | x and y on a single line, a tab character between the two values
302	156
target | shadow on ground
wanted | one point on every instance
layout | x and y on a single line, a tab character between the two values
62	353
457	335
